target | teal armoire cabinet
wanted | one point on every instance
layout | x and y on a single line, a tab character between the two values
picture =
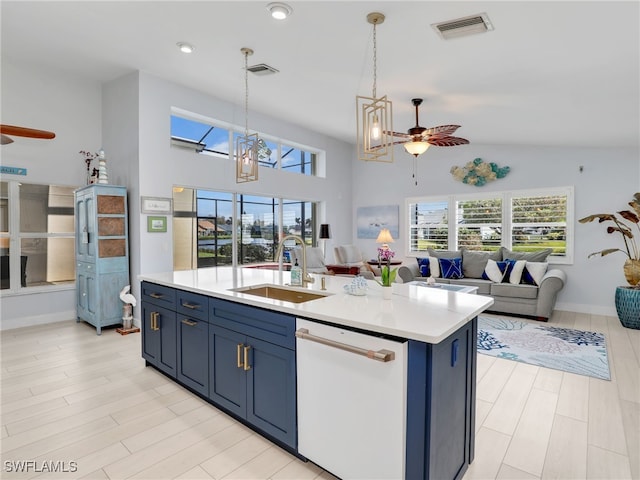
102	253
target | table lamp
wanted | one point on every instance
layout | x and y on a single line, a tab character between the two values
385	238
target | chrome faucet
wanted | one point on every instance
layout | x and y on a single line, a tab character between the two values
306	278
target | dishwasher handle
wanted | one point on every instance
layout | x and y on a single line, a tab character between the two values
380	355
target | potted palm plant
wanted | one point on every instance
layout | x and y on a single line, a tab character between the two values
627	297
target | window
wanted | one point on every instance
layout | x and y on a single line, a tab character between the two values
37	235
428	225
207	138
520	220
203	223
298	161
214	223
539	221
257	228
199	137
479	223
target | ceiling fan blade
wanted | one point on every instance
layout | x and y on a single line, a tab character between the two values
447	141
397	134
26	132
441	130
4	140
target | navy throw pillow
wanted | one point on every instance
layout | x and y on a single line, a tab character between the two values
450	267
424	267
509	268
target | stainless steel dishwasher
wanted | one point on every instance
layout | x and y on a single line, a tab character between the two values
351	401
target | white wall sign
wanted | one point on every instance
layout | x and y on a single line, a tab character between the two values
155	205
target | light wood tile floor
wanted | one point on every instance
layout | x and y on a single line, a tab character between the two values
74	400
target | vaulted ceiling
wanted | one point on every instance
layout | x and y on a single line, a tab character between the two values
550	73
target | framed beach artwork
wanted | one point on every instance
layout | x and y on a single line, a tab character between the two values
370	220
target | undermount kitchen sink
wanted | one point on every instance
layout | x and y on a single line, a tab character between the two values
277	292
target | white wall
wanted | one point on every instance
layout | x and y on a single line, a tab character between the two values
70	107
607	183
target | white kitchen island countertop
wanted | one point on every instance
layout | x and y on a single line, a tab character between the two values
414	312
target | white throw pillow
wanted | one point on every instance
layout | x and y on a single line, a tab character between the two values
537	270
516	272
493	272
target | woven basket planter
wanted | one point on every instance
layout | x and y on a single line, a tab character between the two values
628	306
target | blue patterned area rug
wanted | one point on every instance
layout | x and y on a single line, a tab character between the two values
574	351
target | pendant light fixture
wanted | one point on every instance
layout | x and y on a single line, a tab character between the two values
374	115
246	146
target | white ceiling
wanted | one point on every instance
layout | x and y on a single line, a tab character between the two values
551	73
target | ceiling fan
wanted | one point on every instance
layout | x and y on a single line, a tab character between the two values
420	138
6	130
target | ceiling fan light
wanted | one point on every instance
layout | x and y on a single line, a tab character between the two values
416	148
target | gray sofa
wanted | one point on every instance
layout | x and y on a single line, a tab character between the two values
535	300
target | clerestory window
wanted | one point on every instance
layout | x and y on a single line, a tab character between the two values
217	140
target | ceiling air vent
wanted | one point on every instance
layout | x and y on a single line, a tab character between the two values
463	26
262	69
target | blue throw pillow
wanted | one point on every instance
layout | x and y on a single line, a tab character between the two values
513	273
451	267
423	267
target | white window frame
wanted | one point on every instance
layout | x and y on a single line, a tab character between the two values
506	196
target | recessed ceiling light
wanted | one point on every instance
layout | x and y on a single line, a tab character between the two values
185	47
279	11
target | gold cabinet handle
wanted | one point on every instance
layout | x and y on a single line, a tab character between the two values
156	295
190	323
191	306
246	358
154	321
239	355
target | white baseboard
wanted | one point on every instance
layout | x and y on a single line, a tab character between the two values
10	324
18	322
582	308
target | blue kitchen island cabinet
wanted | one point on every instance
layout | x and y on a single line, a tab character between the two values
252	371
441	401
159	336
102	253
192	353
